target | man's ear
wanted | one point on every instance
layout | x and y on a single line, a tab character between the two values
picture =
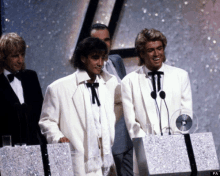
83	59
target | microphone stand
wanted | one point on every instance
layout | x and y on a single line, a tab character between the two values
163	95
154	96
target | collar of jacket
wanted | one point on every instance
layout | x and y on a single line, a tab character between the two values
82	76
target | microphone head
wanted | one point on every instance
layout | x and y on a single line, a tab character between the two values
153	95
162	95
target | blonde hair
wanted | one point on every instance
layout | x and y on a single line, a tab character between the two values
9	44
145	36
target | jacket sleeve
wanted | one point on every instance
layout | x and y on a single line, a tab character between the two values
50	117
133	126
186	97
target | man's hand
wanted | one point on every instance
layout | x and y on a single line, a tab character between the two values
64	139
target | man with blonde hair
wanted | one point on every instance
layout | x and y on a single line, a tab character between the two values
144	89
20	93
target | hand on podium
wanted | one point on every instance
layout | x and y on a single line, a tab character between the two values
63	140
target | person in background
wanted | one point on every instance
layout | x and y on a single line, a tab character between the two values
79	109
144	88
123	147
20	93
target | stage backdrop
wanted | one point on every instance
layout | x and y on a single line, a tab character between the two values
52	28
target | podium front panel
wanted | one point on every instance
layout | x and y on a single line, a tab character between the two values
21	160
168	155
60	160
204	152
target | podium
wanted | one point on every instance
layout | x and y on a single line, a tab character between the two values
27	160
171	155
60	159
21	160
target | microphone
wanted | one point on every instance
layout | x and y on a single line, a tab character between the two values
162	96
154	96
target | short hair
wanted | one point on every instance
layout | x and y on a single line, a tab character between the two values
145	36
9	44
98	26
85	47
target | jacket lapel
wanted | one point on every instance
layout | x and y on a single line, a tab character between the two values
78	101
149	102
25	85
77	94
8	91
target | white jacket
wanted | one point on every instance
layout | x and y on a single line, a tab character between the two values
64	114
139	107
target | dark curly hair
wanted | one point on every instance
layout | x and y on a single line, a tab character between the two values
145	36
11	43
85	47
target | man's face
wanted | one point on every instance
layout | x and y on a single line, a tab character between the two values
154	55
14	62
94	63
102	34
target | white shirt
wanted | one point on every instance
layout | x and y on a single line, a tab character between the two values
150	81
16	86
95	108
113	69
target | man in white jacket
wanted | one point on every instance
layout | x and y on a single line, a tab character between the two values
79	109
141	89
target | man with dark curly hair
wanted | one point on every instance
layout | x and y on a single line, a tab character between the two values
79	109
20	93
123	148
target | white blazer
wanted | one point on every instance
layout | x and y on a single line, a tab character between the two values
64	113
139	107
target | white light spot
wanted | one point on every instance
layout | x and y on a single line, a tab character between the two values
7	20
163	20
207	66
186	2
156	14
214	41
144	10
210	70
202	10
209	38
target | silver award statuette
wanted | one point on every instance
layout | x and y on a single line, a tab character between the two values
184	122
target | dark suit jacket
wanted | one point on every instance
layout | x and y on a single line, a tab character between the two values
13	115
122	141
